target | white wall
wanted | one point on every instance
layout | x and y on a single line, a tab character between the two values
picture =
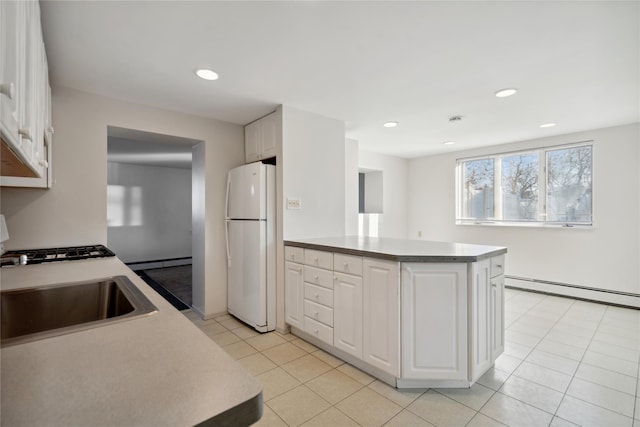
74	211
393	221
313	162
148	212
351	189
604	257
310	167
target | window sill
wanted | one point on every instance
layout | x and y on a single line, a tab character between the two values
524	225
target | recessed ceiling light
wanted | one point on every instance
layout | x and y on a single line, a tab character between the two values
207	74
547	125
390	124
449	142
503	93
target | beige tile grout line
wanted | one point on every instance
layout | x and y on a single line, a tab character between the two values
564	394
310	379
523	360
208	322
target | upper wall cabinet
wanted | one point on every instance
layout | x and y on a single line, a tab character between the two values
25	97
260	139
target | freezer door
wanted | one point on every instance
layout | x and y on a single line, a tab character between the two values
246	273
246	192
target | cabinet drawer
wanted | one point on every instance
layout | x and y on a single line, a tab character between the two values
318	294
294	254
497	266
349	264
320	259
318	312
318	330
318	276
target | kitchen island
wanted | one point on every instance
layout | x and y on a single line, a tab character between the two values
154	370
412	313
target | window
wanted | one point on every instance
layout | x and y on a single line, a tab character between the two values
546	186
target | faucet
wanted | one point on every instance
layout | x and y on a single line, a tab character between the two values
14	260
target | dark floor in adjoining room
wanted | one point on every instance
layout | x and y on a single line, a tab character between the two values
173	283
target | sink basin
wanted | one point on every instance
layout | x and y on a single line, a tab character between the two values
31	314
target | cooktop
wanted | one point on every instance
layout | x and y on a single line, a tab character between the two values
74	253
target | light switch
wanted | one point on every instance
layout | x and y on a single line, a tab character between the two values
293	203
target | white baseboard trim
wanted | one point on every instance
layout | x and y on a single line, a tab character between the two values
574	291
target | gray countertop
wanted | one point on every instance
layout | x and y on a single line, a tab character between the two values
158	370
402	250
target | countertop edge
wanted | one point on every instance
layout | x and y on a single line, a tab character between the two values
395	257
154	335
246	413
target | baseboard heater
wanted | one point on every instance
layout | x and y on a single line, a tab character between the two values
624	299
159	263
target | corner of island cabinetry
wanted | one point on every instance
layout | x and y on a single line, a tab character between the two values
412	313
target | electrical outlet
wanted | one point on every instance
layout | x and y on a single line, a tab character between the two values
293	203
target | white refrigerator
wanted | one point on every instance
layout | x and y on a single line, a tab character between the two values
251	250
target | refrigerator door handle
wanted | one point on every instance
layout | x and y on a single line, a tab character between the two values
226	202
226	235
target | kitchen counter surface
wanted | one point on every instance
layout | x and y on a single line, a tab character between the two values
402	250
157	370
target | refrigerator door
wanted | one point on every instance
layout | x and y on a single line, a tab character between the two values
246	273
246	192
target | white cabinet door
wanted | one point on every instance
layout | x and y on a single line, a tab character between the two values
480	318
434	321
252	142
381	329
26	86
260	138
497	317
269	135
25	100
347	314
10	28
17	88
294	295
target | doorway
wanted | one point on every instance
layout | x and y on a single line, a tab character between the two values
149	209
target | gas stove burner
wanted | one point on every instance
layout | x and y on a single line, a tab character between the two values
39	256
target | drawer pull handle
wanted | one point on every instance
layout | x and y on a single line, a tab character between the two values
316	278
293	256
317	296
24	133
8	89
316	331
317	315
499	265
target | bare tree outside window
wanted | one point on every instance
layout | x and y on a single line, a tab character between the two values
543	186
520	187
569	185
478	189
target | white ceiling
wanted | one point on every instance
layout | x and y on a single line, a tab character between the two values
418	63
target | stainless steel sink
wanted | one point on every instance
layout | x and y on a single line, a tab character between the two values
31	314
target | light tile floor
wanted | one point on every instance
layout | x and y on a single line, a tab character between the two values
566	363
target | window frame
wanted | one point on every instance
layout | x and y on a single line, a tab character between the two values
542	195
